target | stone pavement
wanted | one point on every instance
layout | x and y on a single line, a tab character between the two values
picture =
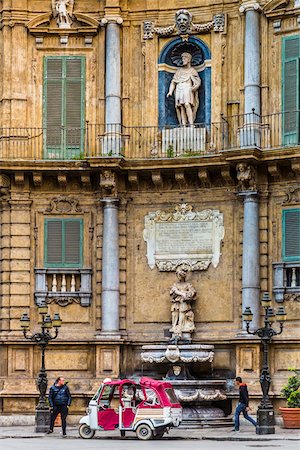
247	433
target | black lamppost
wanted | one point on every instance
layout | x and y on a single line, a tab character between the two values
265	412
42	411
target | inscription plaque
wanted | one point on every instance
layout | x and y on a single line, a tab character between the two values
182	236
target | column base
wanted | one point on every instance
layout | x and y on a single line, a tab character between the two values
265	421
42	420
109	335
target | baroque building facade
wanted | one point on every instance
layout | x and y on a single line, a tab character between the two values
91	145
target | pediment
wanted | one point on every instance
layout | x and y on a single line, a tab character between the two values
275	5
45	24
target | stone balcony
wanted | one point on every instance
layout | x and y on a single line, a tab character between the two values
286	280
63	286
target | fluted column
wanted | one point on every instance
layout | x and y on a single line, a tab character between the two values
110	267
250	271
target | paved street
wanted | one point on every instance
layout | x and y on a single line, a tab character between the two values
54	443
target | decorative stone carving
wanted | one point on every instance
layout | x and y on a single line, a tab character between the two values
37	178
292	195
4	186
184	26
183	236
63	301
63	205
246	176
108	183
185	83
19	178
182	295
62	11
62	180
292	297
187	353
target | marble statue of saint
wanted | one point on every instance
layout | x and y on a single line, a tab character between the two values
62	12
185	83
182	294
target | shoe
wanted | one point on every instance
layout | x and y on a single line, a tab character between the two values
49	431
64	435
236	431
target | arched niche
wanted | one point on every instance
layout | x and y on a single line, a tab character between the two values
166	69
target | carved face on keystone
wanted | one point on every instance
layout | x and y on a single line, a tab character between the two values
183	19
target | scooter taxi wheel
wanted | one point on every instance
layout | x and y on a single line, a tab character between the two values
85	432
144	432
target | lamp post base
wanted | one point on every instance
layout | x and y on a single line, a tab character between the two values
42	420
265	421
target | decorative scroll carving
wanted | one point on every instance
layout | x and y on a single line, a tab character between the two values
292	297
62	11
292	195
37	178
184	26
108	183
63	301
246	176
19	178
4	186
178	353
216	394
182	236
63	205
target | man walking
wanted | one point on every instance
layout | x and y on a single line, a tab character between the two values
59	400
243	405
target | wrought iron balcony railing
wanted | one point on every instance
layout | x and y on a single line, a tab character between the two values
271	131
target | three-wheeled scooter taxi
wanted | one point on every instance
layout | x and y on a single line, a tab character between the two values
148	407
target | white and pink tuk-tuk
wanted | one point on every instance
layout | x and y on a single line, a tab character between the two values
148	407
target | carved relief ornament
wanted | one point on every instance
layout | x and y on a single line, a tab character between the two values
292	195
184	26
183	236
108	184
63	205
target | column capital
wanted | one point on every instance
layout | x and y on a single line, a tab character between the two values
249	5
249	196
111	19
110	202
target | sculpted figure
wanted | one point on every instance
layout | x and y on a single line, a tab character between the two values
185	83
246	177
183	21
182	294
62	12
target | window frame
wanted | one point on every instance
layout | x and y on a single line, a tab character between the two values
284	257
63	264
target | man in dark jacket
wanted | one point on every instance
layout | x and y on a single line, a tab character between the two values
59	400
243	405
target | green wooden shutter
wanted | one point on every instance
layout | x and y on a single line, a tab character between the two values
53	242
291	234
64	91
290	91
73	241
63	242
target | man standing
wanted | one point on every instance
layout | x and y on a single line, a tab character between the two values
243	405
59	400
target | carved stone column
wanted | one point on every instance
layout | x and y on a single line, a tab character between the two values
246	176
112	144
110	256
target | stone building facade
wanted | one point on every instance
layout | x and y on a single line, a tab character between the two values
89	147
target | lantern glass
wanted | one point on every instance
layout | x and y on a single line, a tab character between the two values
25	321
281	314
266	301
56	322
43	308
47	322
271	315
247	314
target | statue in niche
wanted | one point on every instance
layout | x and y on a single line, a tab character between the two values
185	83
183	21
63	12
182	294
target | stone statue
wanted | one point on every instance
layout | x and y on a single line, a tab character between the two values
246	177
63	12
182	294
108	183
183	21
185	83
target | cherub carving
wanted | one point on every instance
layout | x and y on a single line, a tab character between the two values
63	12
108	183
246	176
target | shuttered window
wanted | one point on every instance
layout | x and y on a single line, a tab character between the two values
64	91
63	242
290	89
291	235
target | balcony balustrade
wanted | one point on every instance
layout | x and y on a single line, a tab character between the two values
271	131
63	286
286	280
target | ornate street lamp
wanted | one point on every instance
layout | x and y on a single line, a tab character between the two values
265	412
42	412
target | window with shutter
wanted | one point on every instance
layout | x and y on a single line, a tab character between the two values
63	242
64	92
290	89
291	235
